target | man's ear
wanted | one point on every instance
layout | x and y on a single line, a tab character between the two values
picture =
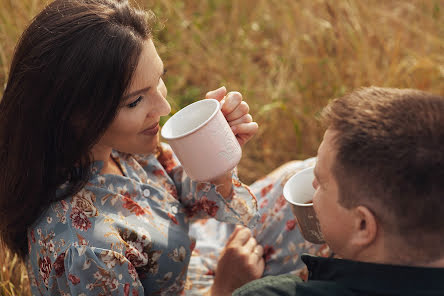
365	227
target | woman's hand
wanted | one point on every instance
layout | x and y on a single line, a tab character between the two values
239	263
235	111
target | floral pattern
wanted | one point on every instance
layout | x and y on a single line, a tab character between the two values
149	232
277	231
128	235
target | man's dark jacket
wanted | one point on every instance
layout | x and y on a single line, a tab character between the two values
329	276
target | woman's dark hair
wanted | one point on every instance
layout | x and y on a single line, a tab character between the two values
68	75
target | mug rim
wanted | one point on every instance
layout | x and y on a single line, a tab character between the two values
287	185
167	137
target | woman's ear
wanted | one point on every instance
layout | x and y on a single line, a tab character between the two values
365	227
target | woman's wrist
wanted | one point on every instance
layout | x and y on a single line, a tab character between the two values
224	184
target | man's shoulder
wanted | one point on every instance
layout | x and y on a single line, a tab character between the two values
270	285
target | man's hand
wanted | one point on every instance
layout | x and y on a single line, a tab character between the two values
240	262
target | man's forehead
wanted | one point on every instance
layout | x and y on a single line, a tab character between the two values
327	141
326	151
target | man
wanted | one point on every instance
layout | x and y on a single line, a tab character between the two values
379	181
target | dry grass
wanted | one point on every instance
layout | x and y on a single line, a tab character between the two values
287	57
13	275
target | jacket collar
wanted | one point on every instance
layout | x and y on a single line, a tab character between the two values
375	277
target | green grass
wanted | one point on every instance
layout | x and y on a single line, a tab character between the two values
287	57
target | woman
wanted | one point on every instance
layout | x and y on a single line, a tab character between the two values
89	197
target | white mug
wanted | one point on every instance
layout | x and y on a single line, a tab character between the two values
202	140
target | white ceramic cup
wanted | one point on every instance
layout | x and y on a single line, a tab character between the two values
299	191
202	140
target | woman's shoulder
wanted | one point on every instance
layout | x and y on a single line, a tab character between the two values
70	213
72	221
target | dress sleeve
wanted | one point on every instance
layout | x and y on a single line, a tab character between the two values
202	199
84	270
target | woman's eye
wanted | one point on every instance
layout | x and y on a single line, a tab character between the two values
134	104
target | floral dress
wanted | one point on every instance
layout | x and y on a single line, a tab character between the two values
133	234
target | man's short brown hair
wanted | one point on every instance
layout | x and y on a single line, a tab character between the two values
390	158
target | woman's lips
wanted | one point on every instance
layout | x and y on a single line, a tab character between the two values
152	130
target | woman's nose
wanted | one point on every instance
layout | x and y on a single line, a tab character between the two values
162	106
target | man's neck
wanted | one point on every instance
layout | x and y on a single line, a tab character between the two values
437	263
393	252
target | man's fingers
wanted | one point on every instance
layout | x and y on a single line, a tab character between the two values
250	244
259	251
241	237
237	228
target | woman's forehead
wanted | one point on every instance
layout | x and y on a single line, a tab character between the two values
149	67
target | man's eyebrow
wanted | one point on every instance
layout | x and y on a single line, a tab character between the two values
137	92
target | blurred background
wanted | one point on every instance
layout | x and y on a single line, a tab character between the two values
287	57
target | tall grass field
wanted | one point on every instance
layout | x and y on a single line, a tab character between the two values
287	57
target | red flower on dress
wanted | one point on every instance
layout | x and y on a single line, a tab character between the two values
167	160
80	220
135	254
135	292
266	189
132	271
264	203
280	203
209	206
268	251
263	218
33	236
132	206
45	268
126	289
159	172
290	224
192	245
73	279
236	182
59	265
171	190
204	204
173	219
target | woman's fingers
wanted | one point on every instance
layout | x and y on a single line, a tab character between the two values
236	112
241	109
231	102
246	129
247	118
217	94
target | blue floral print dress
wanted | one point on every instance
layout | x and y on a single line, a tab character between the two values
133	234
